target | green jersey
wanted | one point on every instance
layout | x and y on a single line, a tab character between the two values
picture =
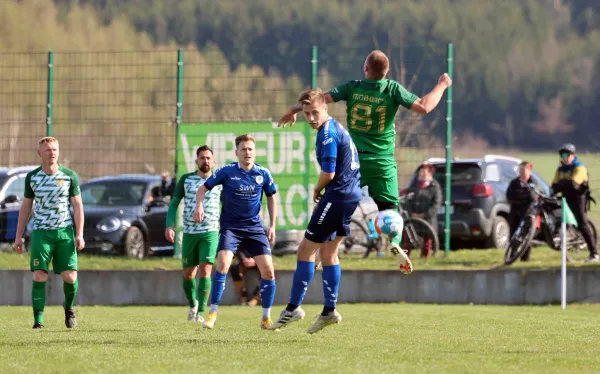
51	194
186	189
371	107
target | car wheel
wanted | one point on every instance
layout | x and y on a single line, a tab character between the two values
135	243
500	235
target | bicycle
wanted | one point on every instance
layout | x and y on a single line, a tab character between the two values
416	229
363	232
540	221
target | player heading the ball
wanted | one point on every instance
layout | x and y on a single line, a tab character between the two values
371	107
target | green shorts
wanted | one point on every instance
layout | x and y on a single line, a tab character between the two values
199	248
57	246
380	175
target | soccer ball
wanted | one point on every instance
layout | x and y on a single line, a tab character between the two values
390	223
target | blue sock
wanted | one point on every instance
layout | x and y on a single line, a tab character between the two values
331	284
267	293
303	275
216	292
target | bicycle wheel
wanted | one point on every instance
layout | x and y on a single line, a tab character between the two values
417	230
521	240
358	239
577	248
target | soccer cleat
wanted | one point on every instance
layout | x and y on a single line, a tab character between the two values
70	320
37	326
192	313
266	324
593	258
285	318
199	318
324	321
209	323
405	264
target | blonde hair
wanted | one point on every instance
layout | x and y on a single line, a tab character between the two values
378	64
47	139
312	97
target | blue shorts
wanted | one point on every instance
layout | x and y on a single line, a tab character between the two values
330	219
254	241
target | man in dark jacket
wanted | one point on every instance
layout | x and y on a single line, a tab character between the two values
426	201
520	196
571	180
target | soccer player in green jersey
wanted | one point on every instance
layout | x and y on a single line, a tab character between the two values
371	107
55	189
200	240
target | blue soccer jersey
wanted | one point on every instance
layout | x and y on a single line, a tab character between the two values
336	153
242	194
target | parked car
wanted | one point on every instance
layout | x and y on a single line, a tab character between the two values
12	189
479	209
125	215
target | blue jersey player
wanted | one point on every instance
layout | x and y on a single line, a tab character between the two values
243	185
330	221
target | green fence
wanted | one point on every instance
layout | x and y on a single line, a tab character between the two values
127	112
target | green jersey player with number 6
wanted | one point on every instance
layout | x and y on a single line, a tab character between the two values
371	107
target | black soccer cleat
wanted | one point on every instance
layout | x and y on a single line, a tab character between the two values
70	320
37	326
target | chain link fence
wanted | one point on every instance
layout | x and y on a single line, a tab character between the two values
145	112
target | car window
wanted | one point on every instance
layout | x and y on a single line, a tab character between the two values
113	193
540	185
492	173
462	173
16	187
508	172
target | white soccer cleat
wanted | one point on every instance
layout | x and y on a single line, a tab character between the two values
193	312
405	265
324	321
285	318
199	318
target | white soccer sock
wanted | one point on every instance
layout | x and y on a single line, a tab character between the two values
266	313
214	309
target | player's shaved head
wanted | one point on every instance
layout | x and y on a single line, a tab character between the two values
312	97
377	65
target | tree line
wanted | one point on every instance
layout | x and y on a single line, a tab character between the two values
526	71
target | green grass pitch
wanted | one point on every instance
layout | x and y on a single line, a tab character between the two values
391	338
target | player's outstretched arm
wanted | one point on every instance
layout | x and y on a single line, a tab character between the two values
272	208
428	102
199	212
77	205
24	214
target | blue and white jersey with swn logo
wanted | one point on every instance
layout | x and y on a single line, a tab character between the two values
337	153
242	194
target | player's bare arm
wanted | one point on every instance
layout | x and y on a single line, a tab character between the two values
324	179
24	214
77	205
290	116
428	102
272	208
199	212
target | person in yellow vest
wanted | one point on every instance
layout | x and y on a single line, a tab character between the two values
572	181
